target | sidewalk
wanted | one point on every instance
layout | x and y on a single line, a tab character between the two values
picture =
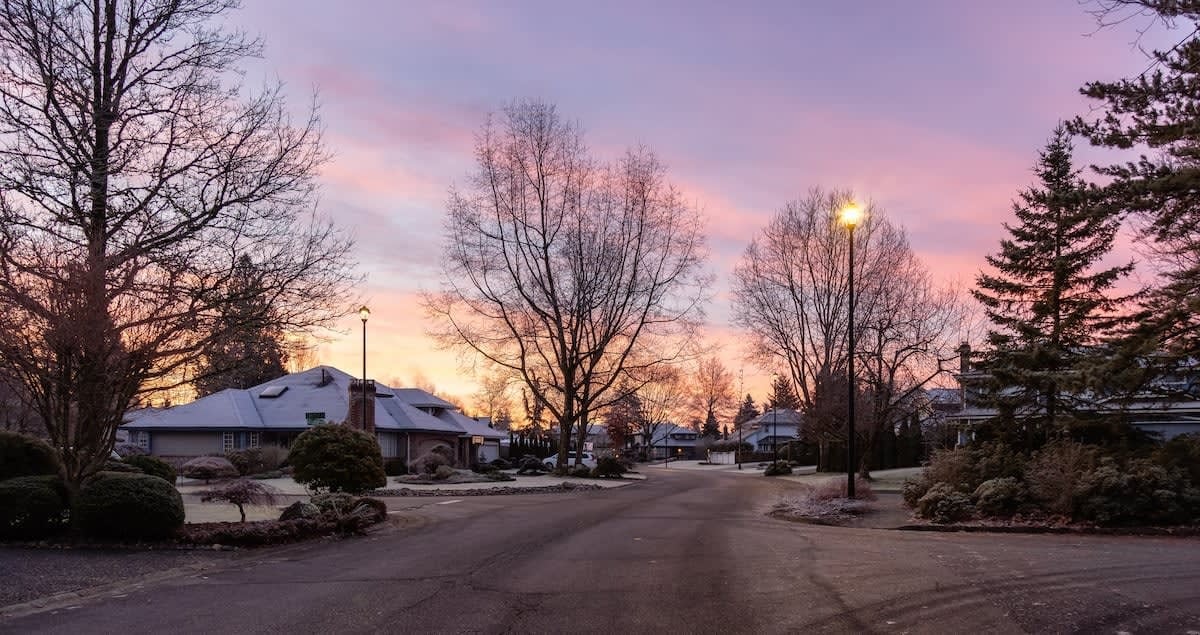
290	491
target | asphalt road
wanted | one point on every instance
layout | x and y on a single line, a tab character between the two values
682	552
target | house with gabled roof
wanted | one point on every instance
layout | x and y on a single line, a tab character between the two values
407	422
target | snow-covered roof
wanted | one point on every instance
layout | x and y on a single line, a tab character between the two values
300	398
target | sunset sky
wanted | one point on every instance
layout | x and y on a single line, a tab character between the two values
933	110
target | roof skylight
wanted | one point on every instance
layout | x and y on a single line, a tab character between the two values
271	392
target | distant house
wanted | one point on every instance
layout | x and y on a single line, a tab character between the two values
1169	407
670	440
408	422
773	428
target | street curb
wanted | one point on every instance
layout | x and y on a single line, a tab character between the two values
1175	532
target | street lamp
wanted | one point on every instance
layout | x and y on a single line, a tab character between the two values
775	420
850	216
364	313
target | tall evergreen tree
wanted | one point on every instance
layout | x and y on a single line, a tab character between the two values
748	411
1048	300
248	348
783	396
711	428
1157	115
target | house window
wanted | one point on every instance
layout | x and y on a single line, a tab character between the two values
254	440
227	441
142	440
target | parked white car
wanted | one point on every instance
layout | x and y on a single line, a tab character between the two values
588	460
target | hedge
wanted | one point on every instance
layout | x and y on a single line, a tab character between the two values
32	507
23	455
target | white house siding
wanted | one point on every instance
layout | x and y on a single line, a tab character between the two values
184	444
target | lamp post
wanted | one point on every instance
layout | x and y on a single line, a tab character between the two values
850	216
775	420
364	313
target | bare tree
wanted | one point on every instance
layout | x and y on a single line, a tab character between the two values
133	179
713	388
791	295
663	400
493	396
571	274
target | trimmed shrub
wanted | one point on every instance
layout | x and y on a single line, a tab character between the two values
299	509
580	471
242	492
429	463
337	458
127	450
499	476
23	455
248	461
999	496
443	472
531	465
1181	453
1053	475
501	464
944	504
207	468
484	468
273	457
914	488
129	507
608	467
121	466
953	467
32	507
1141	493
778	468
153	466
267	475
395	466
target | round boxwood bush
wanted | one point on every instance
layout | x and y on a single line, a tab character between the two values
153	466
777	469
32	507
122	506
337	458
23	455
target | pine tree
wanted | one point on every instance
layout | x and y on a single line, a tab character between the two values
748	411
711	428
782	396
1157	114
1048	301
248	348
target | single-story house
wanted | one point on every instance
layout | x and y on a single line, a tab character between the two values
408	422
672	440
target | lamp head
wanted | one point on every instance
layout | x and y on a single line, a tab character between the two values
364	313
850	215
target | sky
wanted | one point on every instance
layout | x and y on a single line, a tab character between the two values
932	110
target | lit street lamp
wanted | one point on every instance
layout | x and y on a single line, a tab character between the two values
364	313
850	216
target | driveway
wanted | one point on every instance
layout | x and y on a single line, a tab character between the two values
686	551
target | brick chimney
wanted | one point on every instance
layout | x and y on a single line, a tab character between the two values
964	358
355	414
